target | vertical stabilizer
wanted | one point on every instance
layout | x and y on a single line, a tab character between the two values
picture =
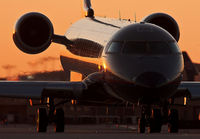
88	9
190	69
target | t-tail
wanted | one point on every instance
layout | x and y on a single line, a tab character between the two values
88	9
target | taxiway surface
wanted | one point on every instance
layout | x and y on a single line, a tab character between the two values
91	132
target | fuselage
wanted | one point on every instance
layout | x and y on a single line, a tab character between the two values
140	61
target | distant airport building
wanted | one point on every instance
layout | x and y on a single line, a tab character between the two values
3	79
45	76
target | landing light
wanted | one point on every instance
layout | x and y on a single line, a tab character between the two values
185	100
73	102
99	67
48	100
31	102
104	66
199	116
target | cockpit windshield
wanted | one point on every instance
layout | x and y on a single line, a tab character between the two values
134	48
115	47
157	48
150	48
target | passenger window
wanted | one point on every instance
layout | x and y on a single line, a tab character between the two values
115	47
134	48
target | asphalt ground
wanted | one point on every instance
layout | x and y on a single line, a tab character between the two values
92	132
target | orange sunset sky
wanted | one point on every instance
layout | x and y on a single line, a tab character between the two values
65	12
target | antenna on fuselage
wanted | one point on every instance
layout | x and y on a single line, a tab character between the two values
120	15
88	9
135	18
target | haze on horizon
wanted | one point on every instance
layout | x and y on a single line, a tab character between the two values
62	13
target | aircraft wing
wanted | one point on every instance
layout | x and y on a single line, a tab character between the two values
38	89
71	90
192	87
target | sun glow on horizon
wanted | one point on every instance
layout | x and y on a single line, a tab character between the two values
64	13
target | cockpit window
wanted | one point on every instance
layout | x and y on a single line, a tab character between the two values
156	48
134	48
115	47
150	48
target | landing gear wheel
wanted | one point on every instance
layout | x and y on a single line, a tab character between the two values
42	120
173	121
59	120
141	124
155	122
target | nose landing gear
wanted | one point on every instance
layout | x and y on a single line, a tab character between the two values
142	123
153	119
173	121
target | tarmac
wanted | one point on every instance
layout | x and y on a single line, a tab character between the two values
91	132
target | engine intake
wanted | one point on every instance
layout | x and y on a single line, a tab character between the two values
165	21
33	33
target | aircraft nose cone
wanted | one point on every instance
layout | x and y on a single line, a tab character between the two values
151	79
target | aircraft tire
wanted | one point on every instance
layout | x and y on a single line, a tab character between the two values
155	122
42	120
59	123
173	120
141	124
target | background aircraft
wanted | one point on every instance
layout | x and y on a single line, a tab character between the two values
124	63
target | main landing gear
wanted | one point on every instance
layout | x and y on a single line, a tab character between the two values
173	121
42	120
59	120
153	119
50	115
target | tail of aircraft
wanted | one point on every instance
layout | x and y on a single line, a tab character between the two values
88	8
190	69
87	4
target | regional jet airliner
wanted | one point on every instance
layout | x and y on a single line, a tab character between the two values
122	61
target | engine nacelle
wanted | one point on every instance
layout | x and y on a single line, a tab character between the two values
33	33
165	21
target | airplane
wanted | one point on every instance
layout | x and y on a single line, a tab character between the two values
122	62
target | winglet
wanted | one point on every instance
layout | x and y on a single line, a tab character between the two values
88	9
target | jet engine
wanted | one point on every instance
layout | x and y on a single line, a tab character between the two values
165	21
33	33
